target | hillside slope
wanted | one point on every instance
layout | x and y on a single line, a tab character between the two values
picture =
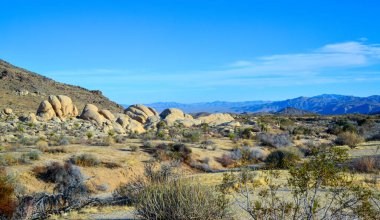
23	91
293	112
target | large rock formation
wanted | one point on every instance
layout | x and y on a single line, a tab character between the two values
91	113
130	124
216	119
60	106
140	113
173	115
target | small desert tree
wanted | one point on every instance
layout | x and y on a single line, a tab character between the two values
320	189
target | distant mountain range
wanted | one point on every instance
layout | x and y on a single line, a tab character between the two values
323	104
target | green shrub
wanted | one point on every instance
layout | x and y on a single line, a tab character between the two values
7	198
178	199
281	159
134	148
348	138
32	155
85	160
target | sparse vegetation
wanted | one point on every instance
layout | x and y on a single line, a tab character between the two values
85	160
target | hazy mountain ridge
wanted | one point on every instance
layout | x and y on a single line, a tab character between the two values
211	107
322	104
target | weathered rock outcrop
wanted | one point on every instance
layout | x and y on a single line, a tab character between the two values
60	106
174	115
216	119
91	113
130	124
140	113
8	111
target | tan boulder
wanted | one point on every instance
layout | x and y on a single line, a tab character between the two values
216	119
173	115
46	111
91	113
140	113
68	108
130	124
56	104
61	105
8	111
107	114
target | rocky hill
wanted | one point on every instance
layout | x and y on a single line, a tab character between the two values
23	91
293	111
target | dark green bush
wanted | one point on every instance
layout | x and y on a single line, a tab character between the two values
281	159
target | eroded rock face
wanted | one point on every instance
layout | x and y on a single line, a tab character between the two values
60	106
140	113
130	124
174	115
216	119
107	114
91	113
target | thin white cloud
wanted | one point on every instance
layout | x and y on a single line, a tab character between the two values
332	63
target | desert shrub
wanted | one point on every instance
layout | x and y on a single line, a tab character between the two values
192	136
62	141
128	193
178	199
348	138
236	154
102	187
134	148
281	159
42	143
177	151
89	135
202	164
274	140
341	126
257	153
147	144
26	141
366	164
63	175
106	141
119	139
111	165
111	133
8	159
85	160
7	197
225	160
247	133
53	150
32	155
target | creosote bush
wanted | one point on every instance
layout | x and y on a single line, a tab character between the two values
348	138
7	198
274	140
160	194
180	199
85	160
281	159
366	164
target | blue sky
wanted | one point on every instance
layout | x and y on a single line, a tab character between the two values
195	51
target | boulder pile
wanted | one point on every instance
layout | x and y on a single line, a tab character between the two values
136	118
60	106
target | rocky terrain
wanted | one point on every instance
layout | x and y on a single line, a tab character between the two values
23	91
